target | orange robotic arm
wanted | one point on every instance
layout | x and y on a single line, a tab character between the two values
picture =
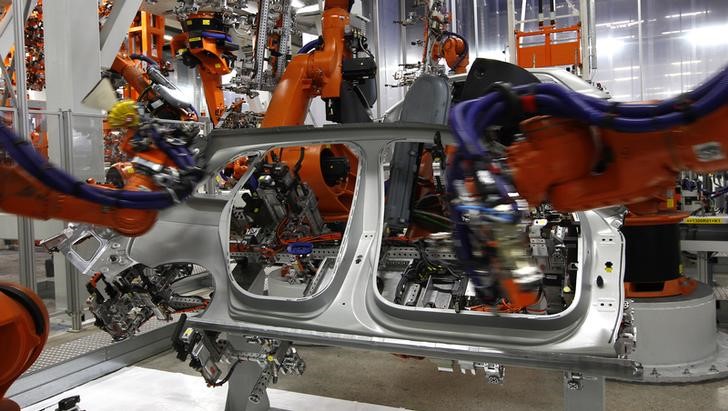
455	52
23	194
142	84
205	45
318	73
131	72
23	331
557	163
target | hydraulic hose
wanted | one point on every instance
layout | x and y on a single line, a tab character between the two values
470	119
216	36
143	58
23	153
313	44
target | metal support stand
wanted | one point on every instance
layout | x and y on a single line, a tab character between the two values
583	393
26	240
704	270
240	386
512	48
73	290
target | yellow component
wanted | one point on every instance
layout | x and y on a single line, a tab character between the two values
670	203
703	220
680	269
205	22
608	269
218	65
195	38
189	21
124	114
270	358
567	289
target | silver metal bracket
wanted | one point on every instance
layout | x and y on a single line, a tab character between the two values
494	373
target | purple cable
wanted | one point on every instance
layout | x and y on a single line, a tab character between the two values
25	156
315	43
216	36
470	118
468	121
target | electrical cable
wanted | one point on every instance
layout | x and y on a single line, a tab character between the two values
227	377
142	57
26	157
311	45
470	119
216	36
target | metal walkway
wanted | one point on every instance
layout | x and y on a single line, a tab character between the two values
52	356
721	293
77	362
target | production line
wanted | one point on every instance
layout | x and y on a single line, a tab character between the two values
501	213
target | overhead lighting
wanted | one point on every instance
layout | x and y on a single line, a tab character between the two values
627	68
297	4
167	37
707	36
687	73
694	13
620	24
613	23
626	78
678	63
610	45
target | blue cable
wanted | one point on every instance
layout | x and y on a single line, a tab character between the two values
313	44
26	157
470	119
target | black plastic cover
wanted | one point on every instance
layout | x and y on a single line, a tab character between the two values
484	72
652	253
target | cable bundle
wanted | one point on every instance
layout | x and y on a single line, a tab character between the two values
495	199
25	156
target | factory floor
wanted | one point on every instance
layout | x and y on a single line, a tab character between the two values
381	378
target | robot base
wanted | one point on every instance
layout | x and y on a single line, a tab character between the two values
677	339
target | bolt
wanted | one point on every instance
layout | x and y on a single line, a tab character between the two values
655	373
713	368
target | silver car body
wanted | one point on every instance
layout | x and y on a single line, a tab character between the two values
350	311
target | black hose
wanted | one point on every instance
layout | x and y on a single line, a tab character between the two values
143	58
299	163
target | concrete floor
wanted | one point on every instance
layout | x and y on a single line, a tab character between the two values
381	378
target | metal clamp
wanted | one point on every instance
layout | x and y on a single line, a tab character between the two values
574	380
